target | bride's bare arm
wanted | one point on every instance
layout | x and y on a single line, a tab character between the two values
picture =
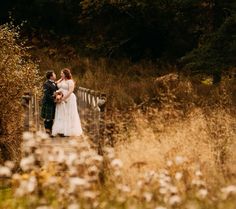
59	81
71	89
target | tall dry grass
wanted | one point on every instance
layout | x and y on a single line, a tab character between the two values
205	142
195	121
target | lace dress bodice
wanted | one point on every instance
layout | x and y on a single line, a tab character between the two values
64	86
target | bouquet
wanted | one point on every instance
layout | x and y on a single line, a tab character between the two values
58	95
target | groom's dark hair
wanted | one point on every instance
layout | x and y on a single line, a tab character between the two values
49	74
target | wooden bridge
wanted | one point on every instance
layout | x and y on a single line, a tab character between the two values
92	111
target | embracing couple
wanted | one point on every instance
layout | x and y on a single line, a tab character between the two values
59	106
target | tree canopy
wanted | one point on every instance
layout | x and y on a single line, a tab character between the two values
199	33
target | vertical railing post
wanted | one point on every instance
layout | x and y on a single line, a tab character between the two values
30	113
102	125
82	103
91	110
36	113
26	105
96	116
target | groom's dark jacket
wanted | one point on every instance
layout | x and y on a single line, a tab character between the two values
48	104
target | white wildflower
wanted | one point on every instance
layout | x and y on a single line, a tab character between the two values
80	162
84	155
151	174
92	170
164	177
163	183
95	204
116	163
140	184
198	173
164	172
109	152
32	184
28	135
179	160
198	182
20	192
123	188
97	158
71	158
111	155
173	189
27	163
51	158
9	164
73	171
202	193
163	190
62	191
178	176
60	156
108	149
226	191
229	189
117	173
175	199
16	177
82	146
75	143
28	145
76	182
73	206
5	171
147	196
51	180
90	195
26	186
120	199
169	163
44	207
42	135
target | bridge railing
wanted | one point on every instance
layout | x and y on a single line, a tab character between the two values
31	104
92	110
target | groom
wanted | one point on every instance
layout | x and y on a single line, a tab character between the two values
48	104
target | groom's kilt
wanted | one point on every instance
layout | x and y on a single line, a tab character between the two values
48	111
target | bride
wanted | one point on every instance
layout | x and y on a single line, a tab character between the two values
67	120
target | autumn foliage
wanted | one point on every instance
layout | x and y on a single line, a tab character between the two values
18	75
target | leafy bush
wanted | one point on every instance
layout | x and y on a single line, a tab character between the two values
18	75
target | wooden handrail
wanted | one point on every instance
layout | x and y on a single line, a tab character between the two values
92	98
92	106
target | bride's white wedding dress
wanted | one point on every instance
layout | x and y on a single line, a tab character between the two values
67	120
